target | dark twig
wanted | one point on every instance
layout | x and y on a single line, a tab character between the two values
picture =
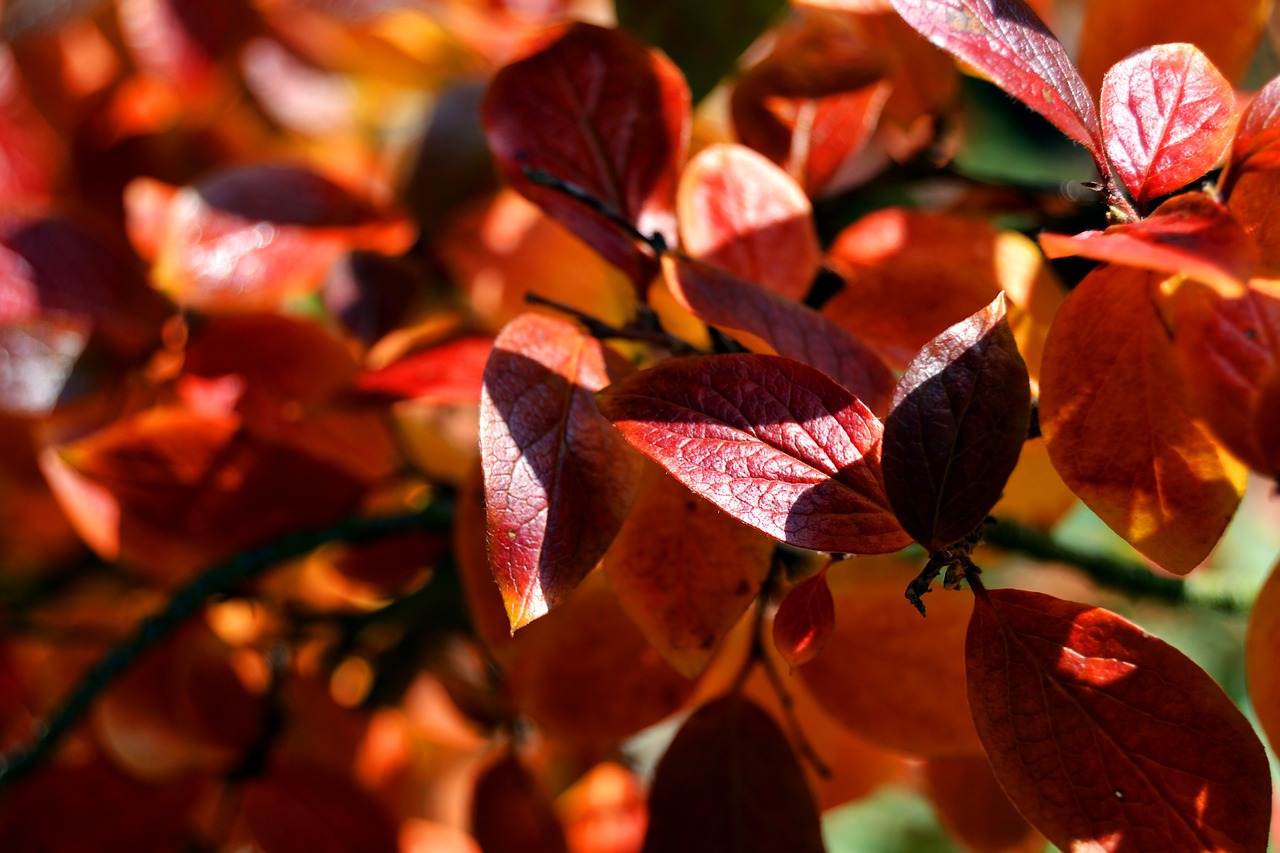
220	580
656	242
605	332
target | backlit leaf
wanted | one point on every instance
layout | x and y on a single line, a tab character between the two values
1005	40
1261	649
1256	146
805	620
558	479
449	373
1107	738
769	440
974	808
780	325
955	430
887	675
510	813
730	781
1189	234
1167	116
740	212
609	116
684	571
1121	427
681	29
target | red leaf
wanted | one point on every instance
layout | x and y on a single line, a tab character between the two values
740	212
973	807
805	620
558	479
782	326
1106	737
607	115
510	813
730	781
447	374
957	425
308	807
1261	648
1167	116
1189	234
1256	146
771	441
1005	40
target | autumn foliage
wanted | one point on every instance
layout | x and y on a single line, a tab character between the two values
592	427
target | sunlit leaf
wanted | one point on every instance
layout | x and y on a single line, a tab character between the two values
771	441
558	479
449	373
973	806
730	781
956	427
1167	116
511	813
1256	146
598	110
1106	737
684	571
860	678
606	810
780	325
805	620
1191	234
740	212
1005	40
1121	427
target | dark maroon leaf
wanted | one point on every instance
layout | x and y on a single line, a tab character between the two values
1107	738
510	813
730	781
1005	40
955	430
558	480
597	110
769	440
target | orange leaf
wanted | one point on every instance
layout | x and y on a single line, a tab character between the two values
1261	647
1253	205
973	807
684	571
805	620
1121	428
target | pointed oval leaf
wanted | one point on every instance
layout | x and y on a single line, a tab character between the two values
784	326
1167	116
557	479
1262	646
1256	146
769	440
1008	42
805	620
740	212
730	781
1106	737
1191	234
955	430
684	571
1121	428
600	111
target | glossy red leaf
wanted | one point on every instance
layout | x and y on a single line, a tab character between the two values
1190	234
446	374
740	212
609	116
805	620
782	325
1167	116
955	430
1107	738
1256	146
1121	427
730	781
511	813
769	440
557	479
1008	42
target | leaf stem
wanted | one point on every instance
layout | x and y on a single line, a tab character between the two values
649	333
219	580
656	242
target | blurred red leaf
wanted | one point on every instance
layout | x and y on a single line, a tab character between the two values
769	440
780	325
1191	234
452	372
730	781
1008	42
805	620
740	212
558	480
1167	116
298	807
1256	146
596	109
1121	427
1262	645
1105	736
510	813
956	428
973	807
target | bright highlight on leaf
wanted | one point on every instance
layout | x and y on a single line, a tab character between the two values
805	620
1107	738
1256	146
557	479
771	441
